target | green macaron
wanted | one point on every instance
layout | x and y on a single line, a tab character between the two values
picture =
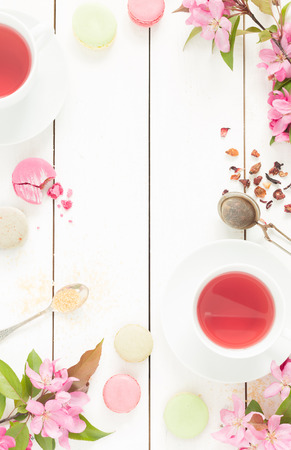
186	415
94	25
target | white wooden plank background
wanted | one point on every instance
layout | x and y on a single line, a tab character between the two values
145	195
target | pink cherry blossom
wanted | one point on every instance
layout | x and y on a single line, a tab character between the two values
280	112
254	443
48	378
284	377
72	399
6	442
275	61
235	423
275	437
47	418
214	24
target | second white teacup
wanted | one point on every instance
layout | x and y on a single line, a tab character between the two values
19	47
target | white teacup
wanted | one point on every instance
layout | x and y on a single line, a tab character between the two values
277	328
35	38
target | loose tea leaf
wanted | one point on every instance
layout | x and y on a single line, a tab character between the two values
272	179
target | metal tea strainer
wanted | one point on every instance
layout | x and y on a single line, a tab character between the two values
240	211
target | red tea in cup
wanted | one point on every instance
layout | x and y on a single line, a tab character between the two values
235	310
15	60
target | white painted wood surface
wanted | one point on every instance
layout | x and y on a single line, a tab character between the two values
145	196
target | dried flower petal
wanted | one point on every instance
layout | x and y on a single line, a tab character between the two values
287	187
245	182
255	153
276	168
224	131
287	208
267	185
263	201
283	174
260	192
235	176
236	169
232	152
272	179
278	194
255	168
224	192
269	204
257	180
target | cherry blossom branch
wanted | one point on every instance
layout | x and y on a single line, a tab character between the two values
7	419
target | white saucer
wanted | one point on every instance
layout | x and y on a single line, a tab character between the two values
43	103
177	311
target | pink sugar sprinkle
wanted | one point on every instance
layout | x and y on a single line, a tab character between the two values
55	191
67	204
37	228
62	215
69	193
70	221
58	205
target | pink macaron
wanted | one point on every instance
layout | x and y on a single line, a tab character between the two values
121	393
30	176
146	12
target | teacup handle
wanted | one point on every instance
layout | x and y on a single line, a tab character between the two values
287	333
42	34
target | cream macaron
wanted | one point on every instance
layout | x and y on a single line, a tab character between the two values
133	343
94	25
13	227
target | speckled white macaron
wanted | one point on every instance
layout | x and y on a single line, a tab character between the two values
133	343
13	227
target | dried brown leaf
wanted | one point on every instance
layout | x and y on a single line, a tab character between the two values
85	368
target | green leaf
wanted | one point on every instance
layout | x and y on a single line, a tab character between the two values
284	11
10	385
248	30
264	6
34	362
264	36
20	433
89	434
253	406
2	404
193	33
228	57
21	417
45	443
272	140
285	410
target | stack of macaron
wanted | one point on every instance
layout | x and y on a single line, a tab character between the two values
122	392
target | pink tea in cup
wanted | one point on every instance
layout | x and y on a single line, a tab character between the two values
235	310
15	60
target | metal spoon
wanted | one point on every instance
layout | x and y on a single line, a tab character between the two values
82	290
240	211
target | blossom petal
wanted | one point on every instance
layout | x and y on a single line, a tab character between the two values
36	424
285	392
225	23
201	17
46	370
274	422
272	390
64	440
216	8
222	40
35	408
51	428
239	407
52	405
78	399
32	375
267	55
285	108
